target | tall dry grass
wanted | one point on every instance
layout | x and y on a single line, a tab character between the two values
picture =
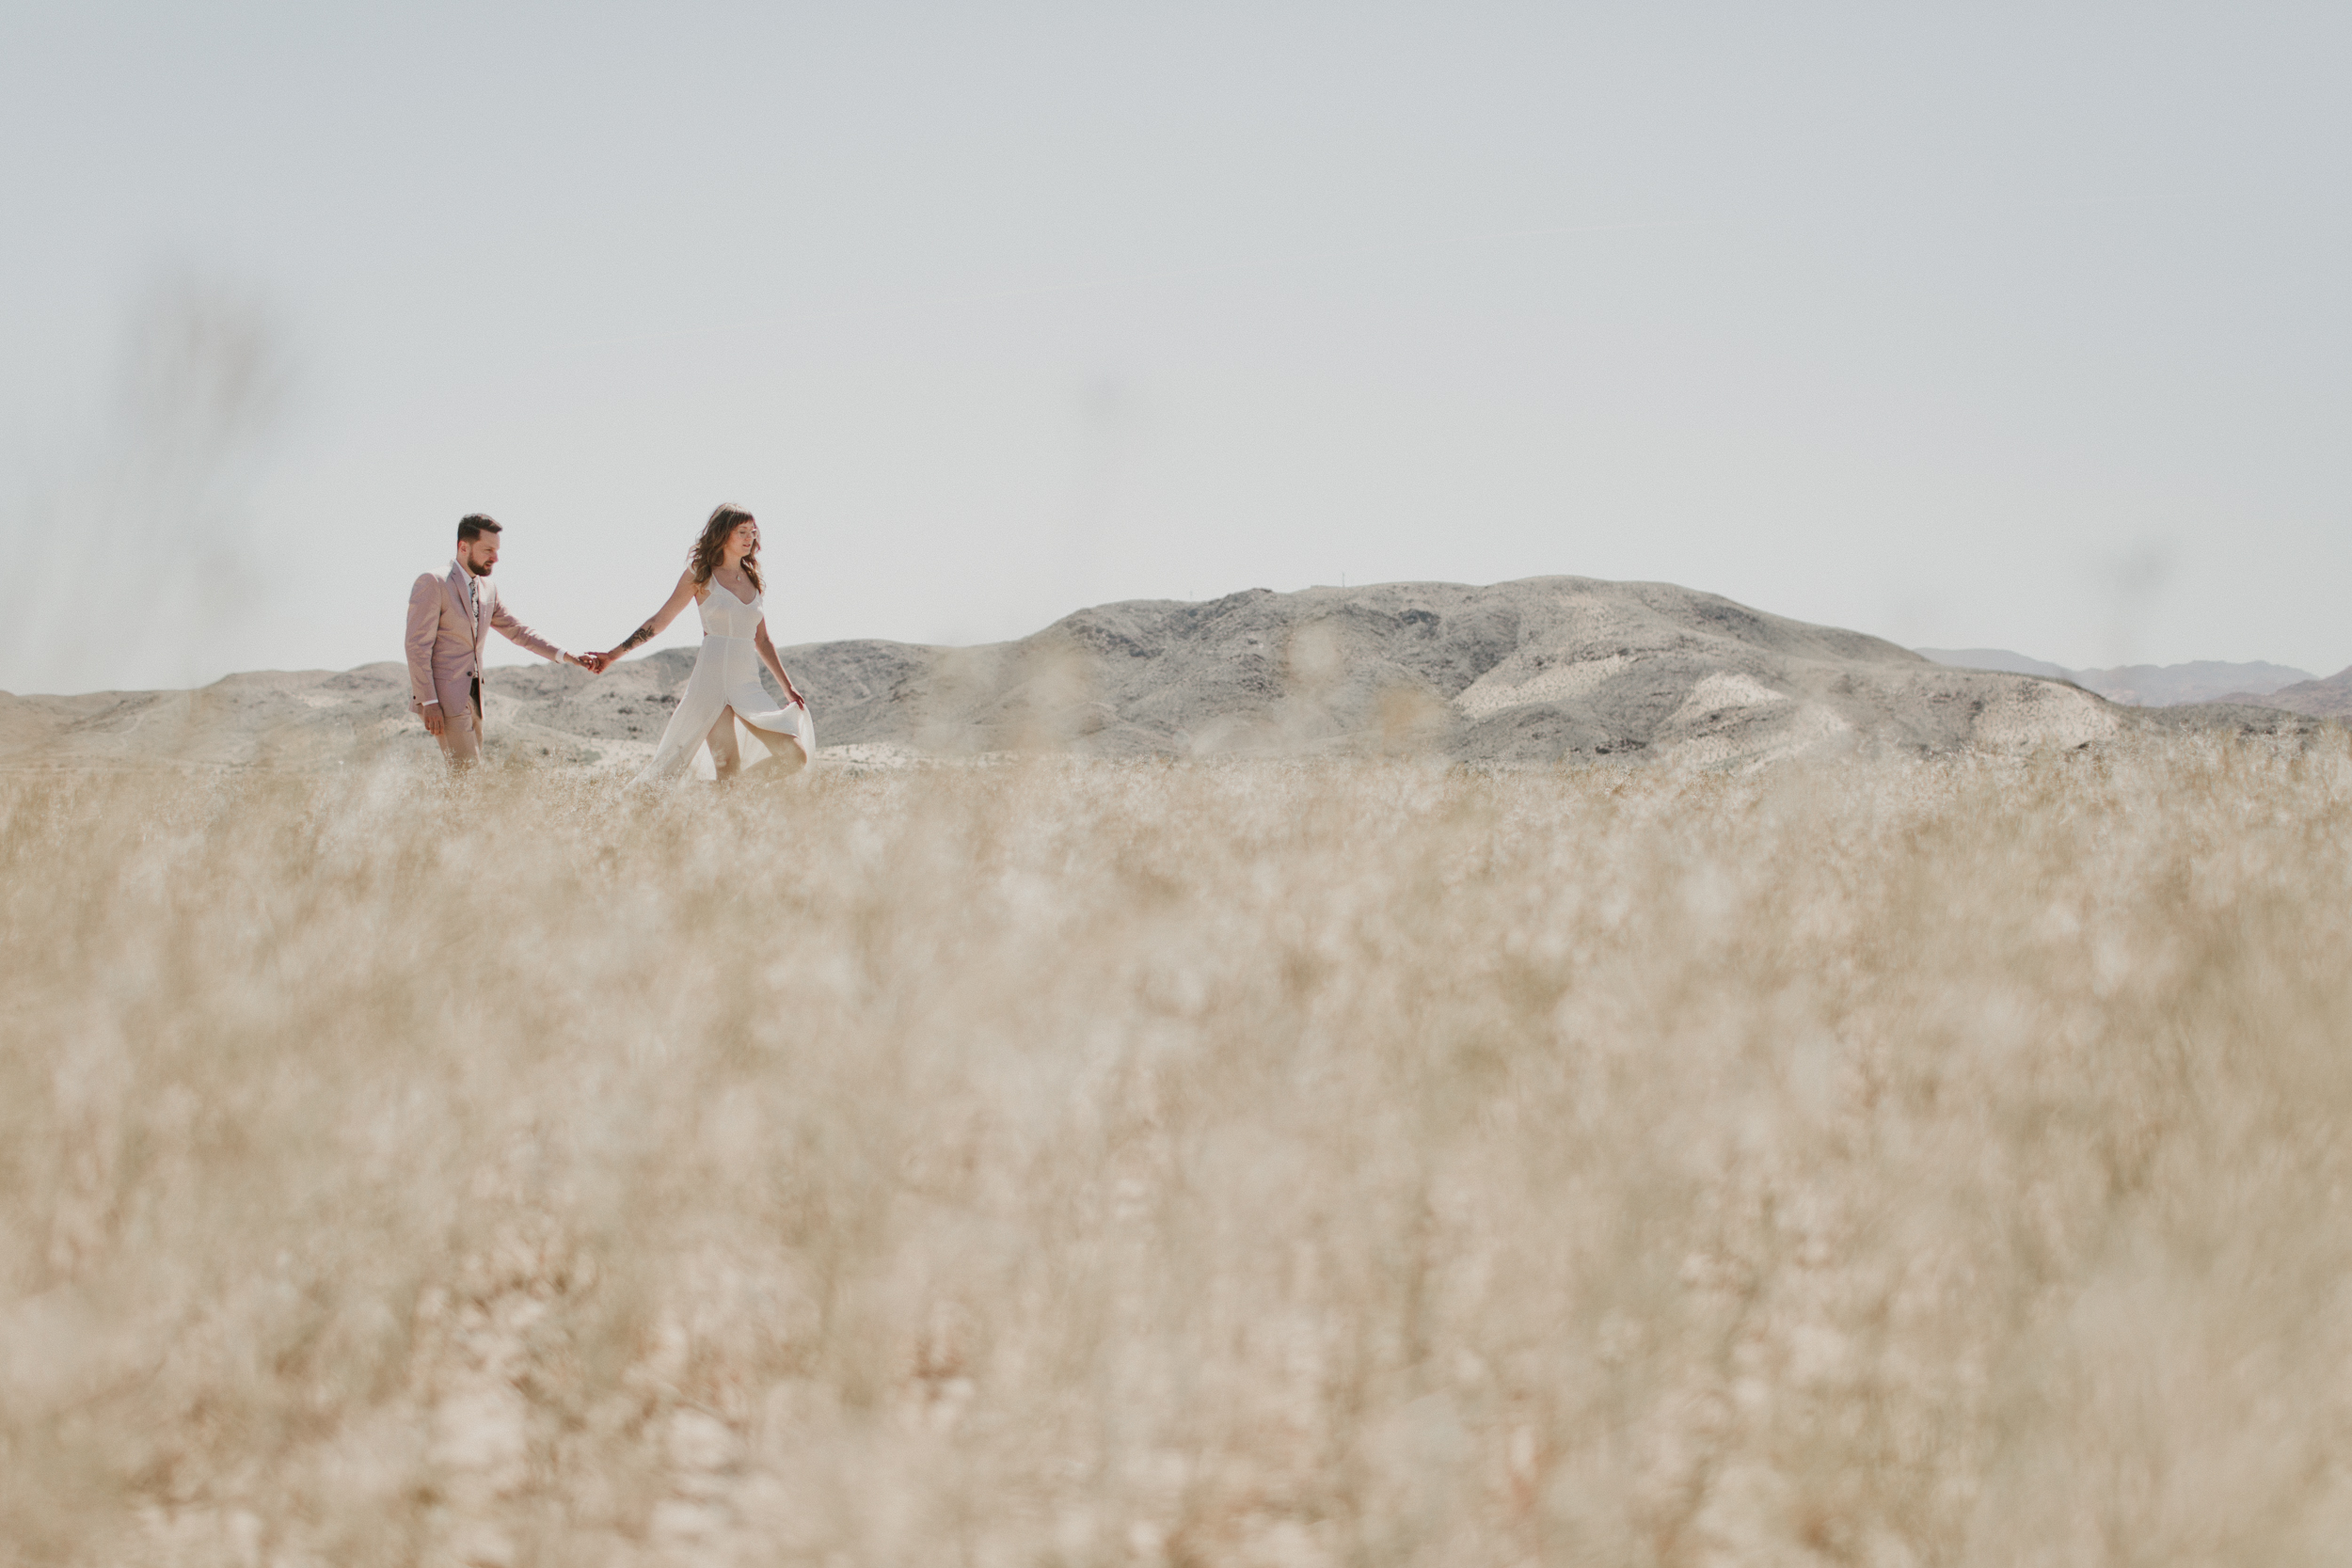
1897	1164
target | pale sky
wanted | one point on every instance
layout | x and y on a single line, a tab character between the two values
1970	324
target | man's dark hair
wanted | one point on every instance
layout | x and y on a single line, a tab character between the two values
473	524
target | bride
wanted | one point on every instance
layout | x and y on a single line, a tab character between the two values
723	576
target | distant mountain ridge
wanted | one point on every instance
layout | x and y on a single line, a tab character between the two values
2330	698
2142	684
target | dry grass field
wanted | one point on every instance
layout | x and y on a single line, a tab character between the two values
1892	1163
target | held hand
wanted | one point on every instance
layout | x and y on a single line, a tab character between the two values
593	663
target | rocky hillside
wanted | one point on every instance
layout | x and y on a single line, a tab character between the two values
1540	670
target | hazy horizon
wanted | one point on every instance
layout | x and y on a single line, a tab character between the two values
1997	329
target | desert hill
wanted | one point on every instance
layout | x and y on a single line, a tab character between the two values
1540	670
2004	659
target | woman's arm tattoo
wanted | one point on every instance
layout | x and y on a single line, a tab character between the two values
643	634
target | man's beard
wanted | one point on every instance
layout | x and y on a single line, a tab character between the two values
480	568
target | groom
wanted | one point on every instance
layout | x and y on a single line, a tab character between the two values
447	618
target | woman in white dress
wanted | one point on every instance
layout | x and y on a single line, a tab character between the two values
723	576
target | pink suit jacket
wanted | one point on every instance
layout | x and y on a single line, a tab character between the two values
445	639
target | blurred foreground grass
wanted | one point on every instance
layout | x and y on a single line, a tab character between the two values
1066	1164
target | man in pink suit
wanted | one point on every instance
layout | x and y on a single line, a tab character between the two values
447	617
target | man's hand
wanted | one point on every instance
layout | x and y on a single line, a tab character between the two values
593	663
434	722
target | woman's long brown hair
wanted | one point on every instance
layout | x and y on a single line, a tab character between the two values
712	546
